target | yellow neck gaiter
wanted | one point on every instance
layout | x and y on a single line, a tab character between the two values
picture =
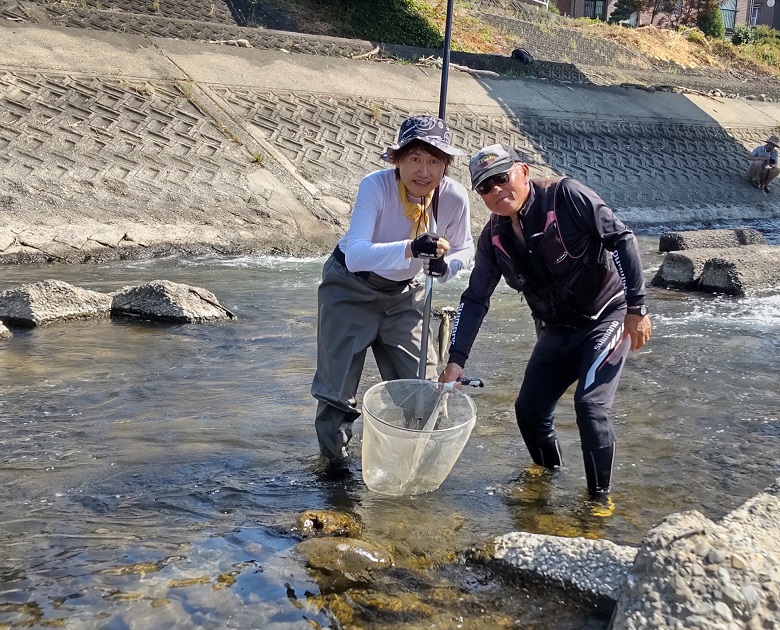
415	211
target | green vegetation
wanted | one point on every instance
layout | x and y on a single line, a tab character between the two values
764	48
710	20
697	41
742	35
693	35
406	22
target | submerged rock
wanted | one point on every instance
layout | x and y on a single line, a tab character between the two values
400	606
169	301
343	555
50	301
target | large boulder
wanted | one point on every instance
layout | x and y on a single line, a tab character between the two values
4	332
742	270
690	572
682	269
698	239
734	271
49	301
169	301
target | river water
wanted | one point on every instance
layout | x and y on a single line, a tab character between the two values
150	474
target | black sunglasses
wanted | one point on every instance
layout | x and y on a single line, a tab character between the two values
486	185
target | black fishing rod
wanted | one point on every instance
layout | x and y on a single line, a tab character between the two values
445	74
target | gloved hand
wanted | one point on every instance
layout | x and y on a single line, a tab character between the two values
435	267
425	246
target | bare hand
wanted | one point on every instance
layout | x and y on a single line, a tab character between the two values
452	372
443	247
639	328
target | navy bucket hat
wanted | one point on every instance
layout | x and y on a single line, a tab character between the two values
428	129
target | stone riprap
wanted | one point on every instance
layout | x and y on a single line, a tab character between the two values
595	568
40	303
169	301
688	572
123	145
693	573
734	271
698	239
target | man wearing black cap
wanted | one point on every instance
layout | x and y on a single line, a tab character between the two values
579	269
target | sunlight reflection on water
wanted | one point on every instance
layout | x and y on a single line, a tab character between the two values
138	454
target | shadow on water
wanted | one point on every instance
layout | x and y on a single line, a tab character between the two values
152	474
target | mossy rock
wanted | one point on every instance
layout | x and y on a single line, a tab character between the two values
328	523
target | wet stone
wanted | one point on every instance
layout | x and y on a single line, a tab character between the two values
169	301
50	301
327	523
344	555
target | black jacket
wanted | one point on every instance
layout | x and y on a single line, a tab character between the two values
577	262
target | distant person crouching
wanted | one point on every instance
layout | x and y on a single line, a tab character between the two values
764	164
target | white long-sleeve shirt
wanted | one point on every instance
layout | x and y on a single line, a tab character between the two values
379	232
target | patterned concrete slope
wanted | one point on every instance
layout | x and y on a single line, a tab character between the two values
634	164
229	12
97	166
200	20
109	142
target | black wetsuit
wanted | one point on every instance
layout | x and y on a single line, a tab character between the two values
577	266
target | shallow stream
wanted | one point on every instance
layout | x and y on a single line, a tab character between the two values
150	474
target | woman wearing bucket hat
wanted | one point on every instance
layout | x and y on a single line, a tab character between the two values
765	165
368	297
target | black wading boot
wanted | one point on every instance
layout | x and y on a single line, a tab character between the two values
598	469
547	455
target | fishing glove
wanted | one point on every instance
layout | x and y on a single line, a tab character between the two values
424	246
435	267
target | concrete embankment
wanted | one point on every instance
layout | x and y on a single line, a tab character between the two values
116	145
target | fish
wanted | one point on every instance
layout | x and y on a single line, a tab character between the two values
447	314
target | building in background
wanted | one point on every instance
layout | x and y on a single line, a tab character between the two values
764	12
734	12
